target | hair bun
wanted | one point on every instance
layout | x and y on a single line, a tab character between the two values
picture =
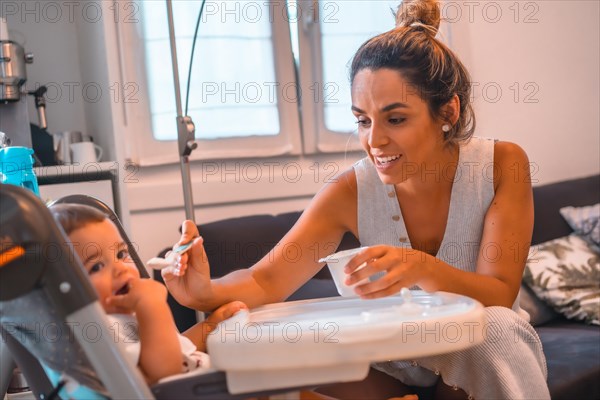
426	12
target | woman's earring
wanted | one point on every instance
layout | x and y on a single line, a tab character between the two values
446	128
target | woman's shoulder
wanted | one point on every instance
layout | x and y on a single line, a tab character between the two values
337	199
342	187
510	163
508	153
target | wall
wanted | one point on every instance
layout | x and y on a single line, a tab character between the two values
550	49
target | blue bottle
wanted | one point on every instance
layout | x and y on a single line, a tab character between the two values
16	168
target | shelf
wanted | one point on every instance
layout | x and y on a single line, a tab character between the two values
76	172
99	180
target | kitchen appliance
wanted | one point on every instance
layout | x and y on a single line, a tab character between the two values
62	145
14	117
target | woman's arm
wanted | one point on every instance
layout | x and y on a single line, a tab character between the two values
507	231
508	226
291	263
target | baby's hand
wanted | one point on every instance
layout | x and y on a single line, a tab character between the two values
141	294
226	311
222	313
207	326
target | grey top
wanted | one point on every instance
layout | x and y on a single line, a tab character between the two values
380	219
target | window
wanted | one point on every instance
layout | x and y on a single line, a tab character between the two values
242	90
250	94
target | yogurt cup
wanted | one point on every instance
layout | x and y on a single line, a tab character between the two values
336	263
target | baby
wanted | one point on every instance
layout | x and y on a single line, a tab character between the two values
137	308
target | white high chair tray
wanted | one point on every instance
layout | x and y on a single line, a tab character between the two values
335	339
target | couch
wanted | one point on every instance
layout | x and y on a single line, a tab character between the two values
572	348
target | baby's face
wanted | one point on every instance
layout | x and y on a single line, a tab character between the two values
104	254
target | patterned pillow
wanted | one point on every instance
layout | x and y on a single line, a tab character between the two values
565	273
585	221
539	311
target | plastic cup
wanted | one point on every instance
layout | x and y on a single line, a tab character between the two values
336	263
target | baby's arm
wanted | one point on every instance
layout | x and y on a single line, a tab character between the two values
160	353
199	332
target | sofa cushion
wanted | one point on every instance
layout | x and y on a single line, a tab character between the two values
539	312
572	354
238	243
549	199
315	289
565	273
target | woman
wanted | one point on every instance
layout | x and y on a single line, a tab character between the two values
438	208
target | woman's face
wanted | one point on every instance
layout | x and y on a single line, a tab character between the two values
394	125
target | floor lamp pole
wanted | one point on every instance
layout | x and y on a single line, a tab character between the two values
185	127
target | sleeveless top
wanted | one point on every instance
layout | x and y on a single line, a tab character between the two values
380	219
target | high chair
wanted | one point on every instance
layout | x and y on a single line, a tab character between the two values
52	324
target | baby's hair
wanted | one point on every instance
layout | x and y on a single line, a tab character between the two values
426	63
75	216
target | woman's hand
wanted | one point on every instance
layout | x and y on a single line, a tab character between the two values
403	267
189	282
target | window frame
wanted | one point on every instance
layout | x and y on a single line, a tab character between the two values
321	139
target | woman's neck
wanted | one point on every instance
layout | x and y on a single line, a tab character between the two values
434	175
